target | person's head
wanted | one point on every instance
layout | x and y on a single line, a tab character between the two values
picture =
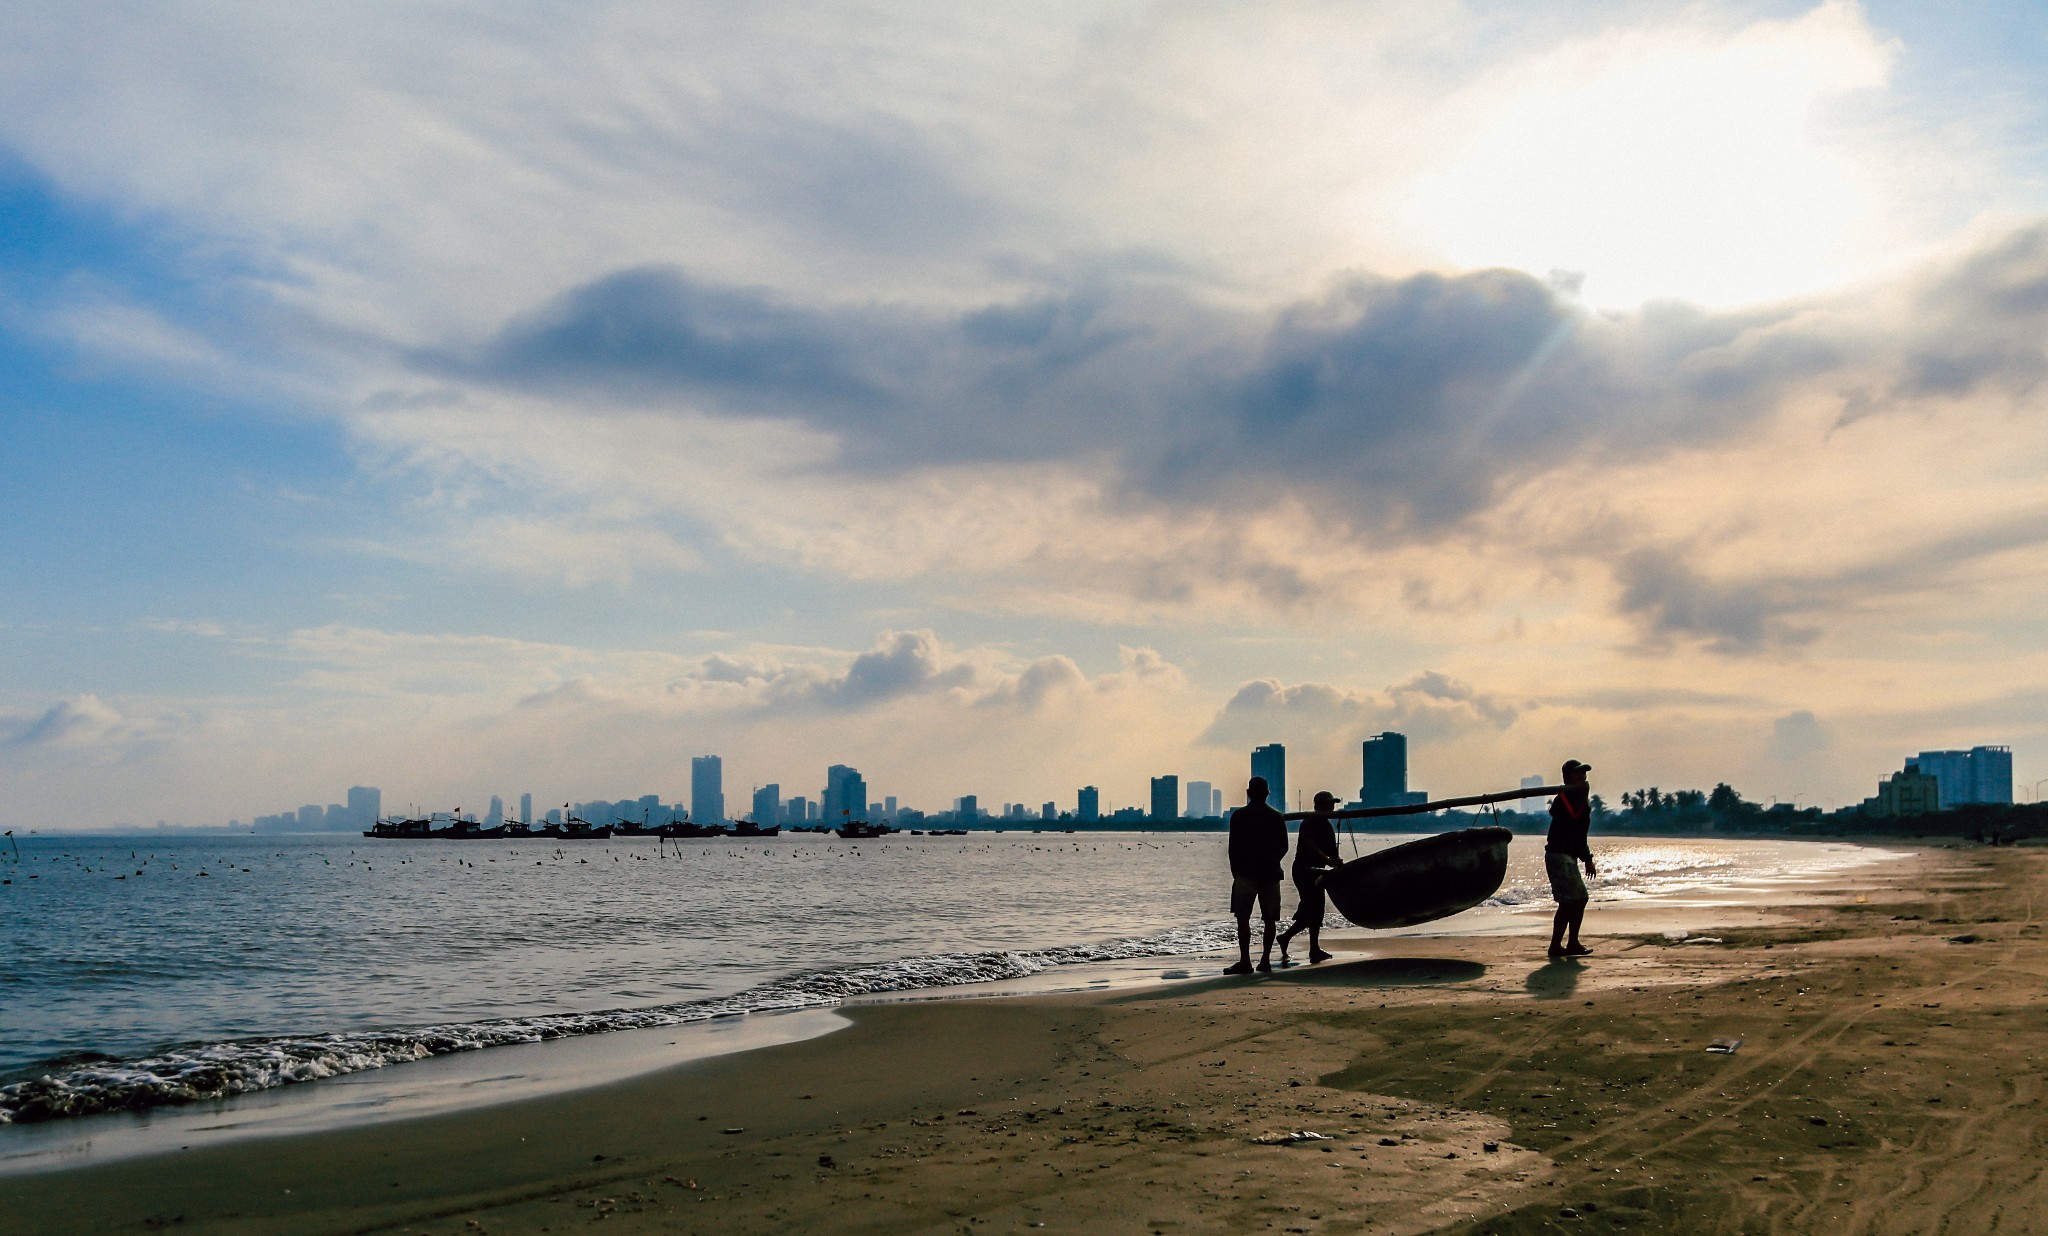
1325	801
1256	791
1575	772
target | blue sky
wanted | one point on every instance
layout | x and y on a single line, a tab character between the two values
1013	399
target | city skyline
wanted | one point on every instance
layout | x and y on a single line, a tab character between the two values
775	385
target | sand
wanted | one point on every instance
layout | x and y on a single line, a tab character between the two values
1889	1080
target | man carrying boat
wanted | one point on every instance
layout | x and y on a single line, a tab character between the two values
1564	850
1315	851
1258	841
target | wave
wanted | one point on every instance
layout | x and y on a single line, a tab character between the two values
198	1072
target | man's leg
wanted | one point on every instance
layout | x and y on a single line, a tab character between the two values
1266	954
1576	917
1269	907
1558	923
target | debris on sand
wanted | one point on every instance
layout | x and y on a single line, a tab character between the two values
1289	1139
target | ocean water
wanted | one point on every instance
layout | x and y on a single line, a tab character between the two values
142	971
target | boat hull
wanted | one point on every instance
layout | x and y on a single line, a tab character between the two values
1421	881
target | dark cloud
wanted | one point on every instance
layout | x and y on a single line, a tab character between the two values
78	720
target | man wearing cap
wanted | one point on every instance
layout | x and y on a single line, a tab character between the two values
1564	850
1315	851
1258	841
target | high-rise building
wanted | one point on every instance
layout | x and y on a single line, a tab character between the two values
1216	802
707	789
1910	792
365	804
1088	804
1049	811
889	807
768	804
1385	781
967	808
846	795
1270	762
312	818
1200	794
1979	775
1166	797
496	815
526	808
798	811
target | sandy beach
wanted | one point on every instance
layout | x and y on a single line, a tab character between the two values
1888	1080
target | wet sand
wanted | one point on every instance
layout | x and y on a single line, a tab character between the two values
1889	1079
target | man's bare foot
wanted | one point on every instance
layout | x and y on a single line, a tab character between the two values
1265	965
1319	956
1576	949
1242	967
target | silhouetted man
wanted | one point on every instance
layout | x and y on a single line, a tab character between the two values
1563	852
1258	841
1315	851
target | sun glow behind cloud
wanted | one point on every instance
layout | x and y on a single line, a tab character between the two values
1685	164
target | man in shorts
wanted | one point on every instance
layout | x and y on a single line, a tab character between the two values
1564	850
1258	841
1315	851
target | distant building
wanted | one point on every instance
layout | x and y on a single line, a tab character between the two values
707	789
889	807
1979	775
1216	803
312	818
1166	797
1385	779
1200	795
798	811
1906	793
1049	811
1088	804
525	807
365	804
967	808
496	815
1270	762
846	794
1533	783
768	804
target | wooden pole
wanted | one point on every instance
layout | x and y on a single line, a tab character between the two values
1441	804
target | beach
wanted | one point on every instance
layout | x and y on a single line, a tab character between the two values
1888	1079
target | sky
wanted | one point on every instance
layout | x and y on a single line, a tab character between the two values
473	399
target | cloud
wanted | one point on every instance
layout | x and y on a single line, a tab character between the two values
82	720
1798	735
1426	707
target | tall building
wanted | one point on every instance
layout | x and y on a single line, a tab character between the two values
312	818
1979	775
707	789
846	795
1907	793
1216	803
1088	804
889	807
1385	782
1270	762
496	815
1166	797
1199	796
1049	811
798	811
768	804
525	808
967	808
365	804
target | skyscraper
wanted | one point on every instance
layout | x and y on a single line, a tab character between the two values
1270	762
1216	802
496	815
707	789
967	808
1385	783
1088	804
1166	797
526	808
1199	796
365	804
768	804
846	795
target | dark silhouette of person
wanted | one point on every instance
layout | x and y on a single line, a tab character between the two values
1258	841
1564	851
1315	851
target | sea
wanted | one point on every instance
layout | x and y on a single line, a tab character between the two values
138	972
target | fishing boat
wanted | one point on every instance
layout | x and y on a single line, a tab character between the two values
857	830
573	828
1428	879
687	829
749	828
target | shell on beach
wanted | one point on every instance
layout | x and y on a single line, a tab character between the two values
1420	881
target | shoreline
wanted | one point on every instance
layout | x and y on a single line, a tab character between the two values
508	1071
1891	1033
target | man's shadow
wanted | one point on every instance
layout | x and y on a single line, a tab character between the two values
1557	980
1366	972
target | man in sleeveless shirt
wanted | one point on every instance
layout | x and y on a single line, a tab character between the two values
1564	851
